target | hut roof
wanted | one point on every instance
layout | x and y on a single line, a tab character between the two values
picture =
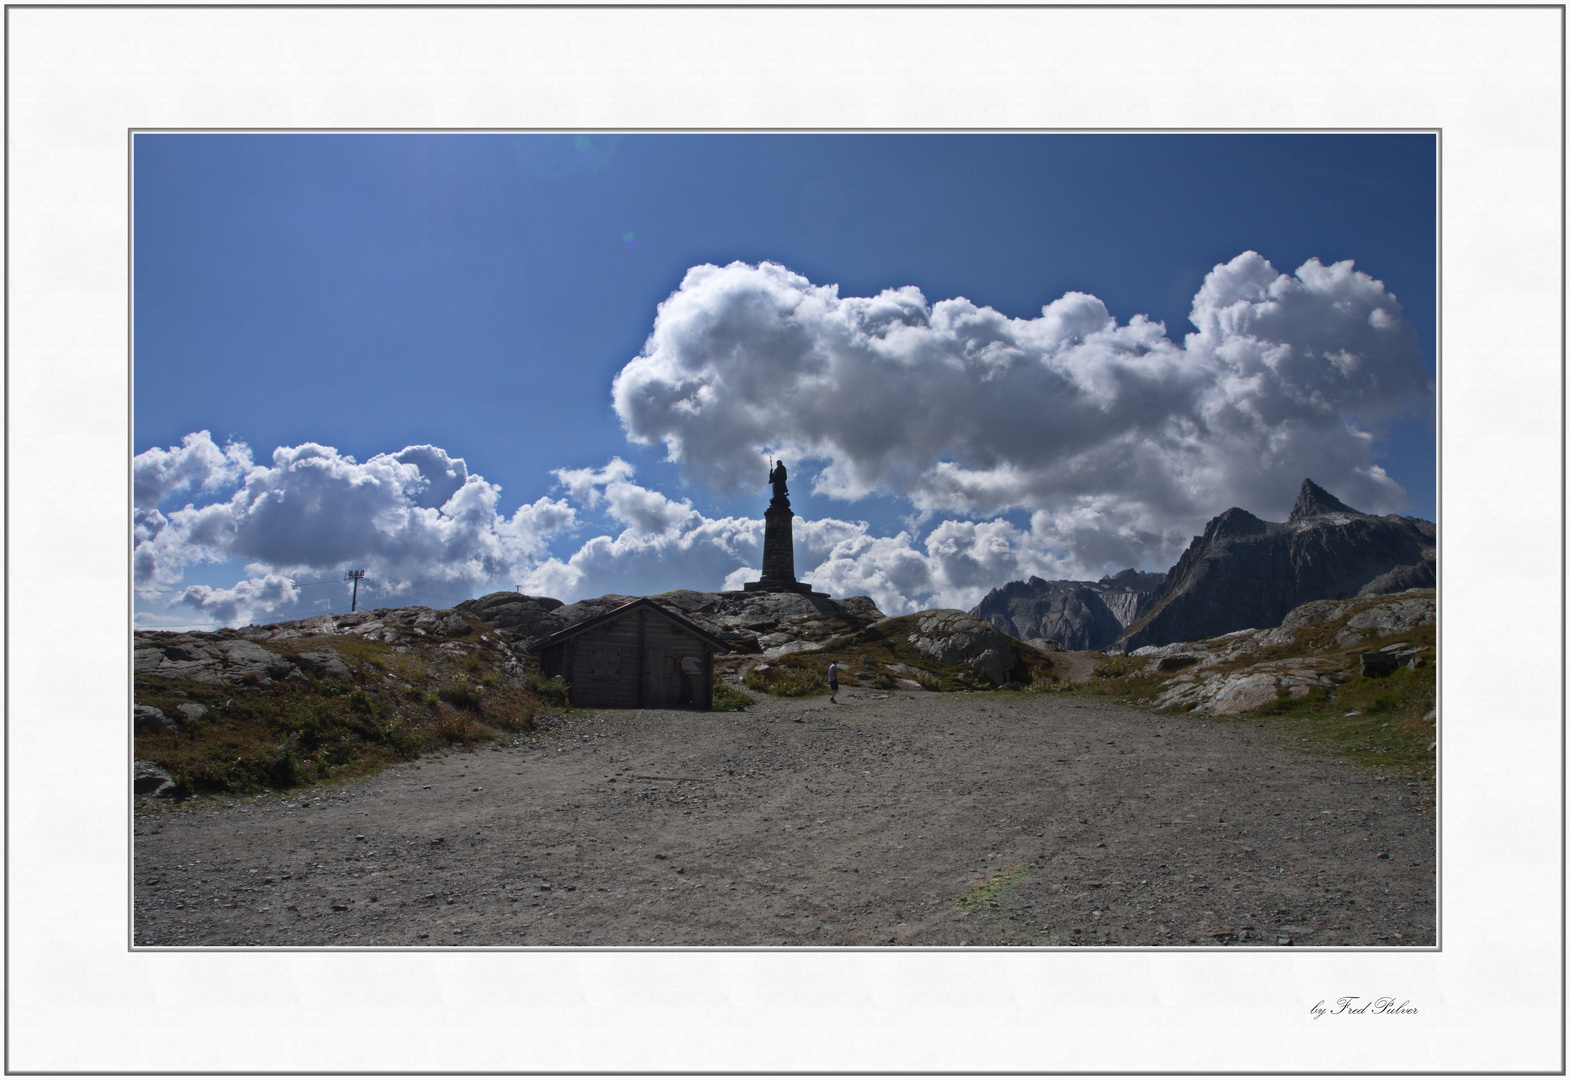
615	613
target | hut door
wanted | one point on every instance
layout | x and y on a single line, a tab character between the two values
660	677
691	691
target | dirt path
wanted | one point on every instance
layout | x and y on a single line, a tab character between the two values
894	819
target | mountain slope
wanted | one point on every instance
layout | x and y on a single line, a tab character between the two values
1243	572
1076	614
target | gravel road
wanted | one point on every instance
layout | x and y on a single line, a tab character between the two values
891	819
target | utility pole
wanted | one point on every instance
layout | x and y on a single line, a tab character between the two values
354	576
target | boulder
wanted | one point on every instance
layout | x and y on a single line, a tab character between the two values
1215	693
953	637
452	626
992	665
192	712
150	719
325	665
738	617
151	781
1375	665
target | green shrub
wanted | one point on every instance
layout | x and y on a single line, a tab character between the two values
1116	667
409	671
929	681
782	681
727	697
462	695
554	690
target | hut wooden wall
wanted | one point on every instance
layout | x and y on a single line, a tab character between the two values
634	661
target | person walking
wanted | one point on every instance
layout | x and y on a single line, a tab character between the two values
834	682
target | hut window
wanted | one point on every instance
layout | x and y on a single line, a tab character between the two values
604	662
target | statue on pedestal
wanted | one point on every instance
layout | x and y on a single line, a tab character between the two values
777	478
779	558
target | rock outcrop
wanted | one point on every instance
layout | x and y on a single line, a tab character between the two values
1245	573
524	618
953	637
242	658
1074	614
1215	678
150	781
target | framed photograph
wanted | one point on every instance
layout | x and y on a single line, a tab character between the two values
956	534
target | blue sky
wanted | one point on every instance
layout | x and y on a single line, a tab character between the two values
480	294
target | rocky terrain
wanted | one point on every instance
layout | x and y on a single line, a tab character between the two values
1074	615
1244	573
751	621
1317	647
1050	815
320	698
327	697
897	818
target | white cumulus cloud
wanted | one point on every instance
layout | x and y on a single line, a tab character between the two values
197	462
1120	439
664	545
417	521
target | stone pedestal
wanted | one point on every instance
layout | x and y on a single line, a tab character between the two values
779	554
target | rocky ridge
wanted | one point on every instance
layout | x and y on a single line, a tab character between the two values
310	698
750	621
1074	615
777	625
1222	677
315	698
1243	572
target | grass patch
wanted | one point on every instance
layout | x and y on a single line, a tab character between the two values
292	733
790	677
727	697
554	691
353	648
783	679
410	671
462	694
1387	731
986	894
1115	667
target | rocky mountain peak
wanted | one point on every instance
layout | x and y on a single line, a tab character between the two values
1313	500
1073	614
1244	572
1130	579
1233	523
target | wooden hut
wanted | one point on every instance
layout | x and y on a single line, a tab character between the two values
637	656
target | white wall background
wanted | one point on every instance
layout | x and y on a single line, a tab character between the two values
80	78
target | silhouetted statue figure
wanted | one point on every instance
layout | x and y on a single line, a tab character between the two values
777	478
779	556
